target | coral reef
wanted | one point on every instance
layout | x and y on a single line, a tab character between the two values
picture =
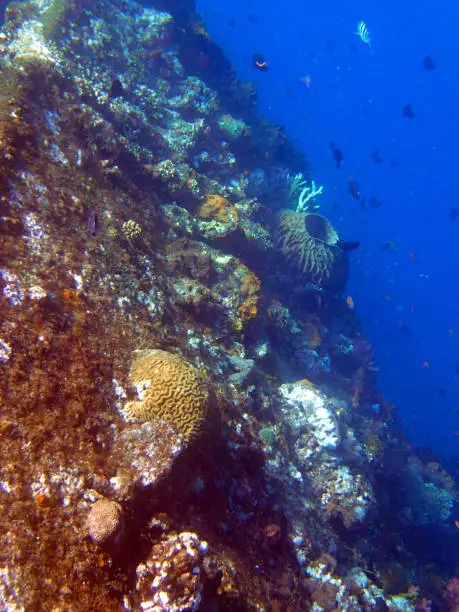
311	244
138	189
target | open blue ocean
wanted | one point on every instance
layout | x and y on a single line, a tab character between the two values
326	85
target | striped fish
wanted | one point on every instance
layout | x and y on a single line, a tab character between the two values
363	33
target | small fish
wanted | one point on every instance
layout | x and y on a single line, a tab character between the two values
453	213
92	223
390	244
232	22
441	392
306	80
375	202
353	190
253	18
428	63
116	89
406	329
376	156
413	257
426	364
363	33
337	154
408	112
350	302
259	62
349	245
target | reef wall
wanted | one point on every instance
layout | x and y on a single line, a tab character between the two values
186	422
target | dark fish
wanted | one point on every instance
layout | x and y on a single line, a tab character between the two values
349	245
337	154
375	202
441	392
453	213
428	63
232	22
408	112
92	223
406	329
116	89
353	190
259	62
362	203
376	156
253	18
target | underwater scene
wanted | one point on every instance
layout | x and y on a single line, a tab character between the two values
229	362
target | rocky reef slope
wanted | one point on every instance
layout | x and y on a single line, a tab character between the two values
188	420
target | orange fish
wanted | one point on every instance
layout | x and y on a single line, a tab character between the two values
456	523
426	364
350	302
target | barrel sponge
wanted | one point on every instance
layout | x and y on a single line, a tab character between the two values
310	243
171	389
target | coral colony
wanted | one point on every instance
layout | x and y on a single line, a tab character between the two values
190	414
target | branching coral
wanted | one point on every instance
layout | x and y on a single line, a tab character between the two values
311	244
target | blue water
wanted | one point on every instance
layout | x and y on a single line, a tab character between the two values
355	99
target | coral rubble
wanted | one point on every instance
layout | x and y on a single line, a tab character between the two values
137	211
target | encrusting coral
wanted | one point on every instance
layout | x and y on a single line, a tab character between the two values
170	389
217	217
310	243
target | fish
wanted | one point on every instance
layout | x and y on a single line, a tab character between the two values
375	202
364	33
406	329
413	257
116	89
428	63
390	244
337	154
259	62
350	302
453	213
408	112
92	223
353	190
253	18
349	245
426	364
441	391
376	156
306	80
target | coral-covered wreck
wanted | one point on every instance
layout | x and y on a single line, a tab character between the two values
189	413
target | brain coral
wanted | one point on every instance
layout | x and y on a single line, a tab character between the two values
105	522
311	244
171	389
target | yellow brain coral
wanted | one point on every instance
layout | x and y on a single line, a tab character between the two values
171	389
